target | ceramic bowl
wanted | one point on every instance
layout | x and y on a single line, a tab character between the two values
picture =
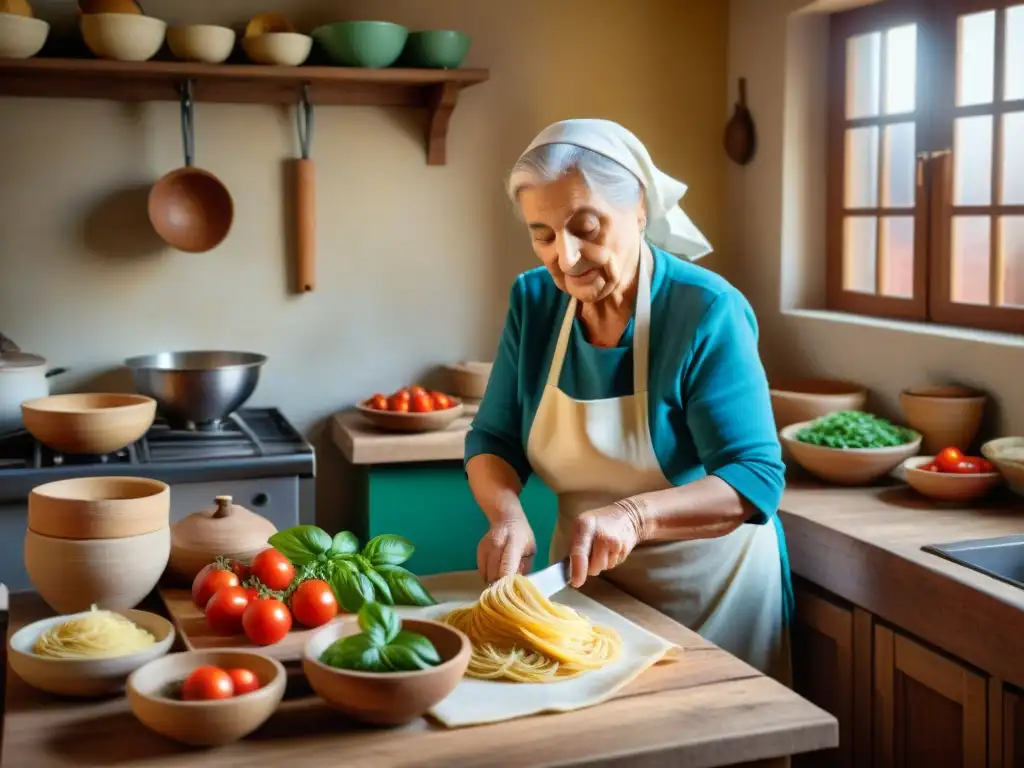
387	698
372	44
89	423
21	37
810	399
73	574
945	416
123	36
1007	456
152	696
394	421
846	466
468	379
436	48
207	43
84	677
99	507
943	486
286	49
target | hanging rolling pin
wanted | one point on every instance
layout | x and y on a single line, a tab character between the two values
305	198
740	135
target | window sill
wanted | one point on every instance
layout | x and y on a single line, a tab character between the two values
992	338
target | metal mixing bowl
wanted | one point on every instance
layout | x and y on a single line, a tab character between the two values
197	387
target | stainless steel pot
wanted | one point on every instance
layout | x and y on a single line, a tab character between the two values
200	387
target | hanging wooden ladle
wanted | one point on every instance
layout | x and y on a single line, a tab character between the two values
740	134
190	208
305	198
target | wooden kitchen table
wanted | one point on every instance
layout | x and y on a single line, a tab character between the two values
706	709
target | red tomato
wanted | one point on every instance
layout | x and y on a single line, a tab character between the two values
401	394
378	402
266	621
984	465
969	466
399	405
225	609
416	390
929	467
245	680
949	459
210	580
441	401
313	603
207	682
252	593
274	570
421	403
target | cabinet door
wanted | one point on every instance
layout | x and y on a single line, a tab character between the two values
823	669
1013	728
929	710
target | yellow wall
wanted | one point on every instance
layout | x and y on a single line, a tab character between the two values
415	262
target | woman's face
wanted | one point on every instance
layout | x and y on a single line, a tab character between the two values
589	247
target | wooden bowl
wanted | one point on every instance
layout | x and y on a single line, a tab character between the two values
286	49
394	421
846	466
468	379
944	486
152	697
21	37
191	210
99	507
810	399
387	698
72	574
91	423
207	43
945	416
84	677
1004	453
123	36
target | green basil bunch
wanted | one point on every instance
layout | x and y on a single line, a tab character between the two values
382	646
373	575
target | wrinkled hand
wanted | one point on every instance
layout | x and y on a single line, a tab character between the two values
603	538
507	548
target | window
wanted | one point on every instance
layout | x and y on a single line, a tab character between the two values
926	162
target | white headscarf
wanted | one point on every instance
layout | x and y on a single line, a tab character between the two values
667	226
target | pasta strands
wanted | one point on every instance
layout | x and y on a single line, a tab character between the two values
97	635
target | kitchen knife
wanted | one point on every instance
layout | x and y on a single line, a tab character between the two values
552	579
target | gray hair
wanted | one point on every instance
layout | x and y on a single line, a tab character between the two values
550	162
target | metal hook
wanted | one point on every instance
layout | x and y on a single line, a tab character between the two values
304	121
187	130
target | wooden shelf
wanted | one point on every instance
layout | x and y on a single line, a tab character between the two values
434	89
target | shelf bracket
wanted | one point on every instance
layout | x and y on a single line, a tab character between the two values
442	104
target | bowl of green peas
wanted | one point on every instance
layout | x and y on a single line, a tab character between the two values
849	447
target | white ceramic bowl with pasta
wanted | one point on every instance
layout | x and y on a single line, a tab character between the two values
84	676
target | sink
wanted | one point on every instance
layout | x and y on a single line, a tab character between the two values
1001	558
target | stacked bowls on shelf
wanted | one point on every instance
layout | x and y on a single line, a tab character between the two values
101	541
270	38
119	30
22	35
379	44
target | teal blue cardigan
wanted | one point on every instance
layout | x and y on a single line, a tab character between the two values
710	411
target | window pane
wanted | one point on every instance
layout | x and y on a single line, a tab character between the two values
1014	53
972	154
971	252
863	77
1013	159
860	237
862	167
901	69
897	249
976	64
1012	237
899	181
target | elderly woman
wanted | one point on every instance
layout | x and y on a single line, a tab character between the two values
629	381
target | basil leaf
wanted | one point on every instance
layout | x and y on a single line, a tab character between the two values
388	549
353	652
351	588
382	589
301	544
379	622
344	543
398	658
419	645
405	587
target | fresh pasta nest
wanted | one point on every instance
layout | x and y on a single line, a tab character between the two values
97	634
520	636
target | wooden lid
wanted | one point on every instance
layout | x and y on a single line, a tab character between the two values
224	529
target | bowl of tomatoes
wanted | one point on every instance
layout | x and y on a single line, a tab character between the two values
411	409
206	698
951	475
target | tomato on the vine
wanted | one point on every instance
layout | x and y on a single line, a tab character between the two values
211	579
274	570
266	621
207	682
245	680
313	603
225	609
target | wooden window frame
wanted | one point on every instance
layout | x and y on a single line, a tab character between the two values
934	115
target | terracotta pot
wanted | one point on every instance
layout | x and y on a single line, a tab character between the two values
945	416
225	530
99	507
810	399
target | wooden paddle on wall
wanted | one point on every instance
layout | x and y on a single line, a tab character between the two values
740	134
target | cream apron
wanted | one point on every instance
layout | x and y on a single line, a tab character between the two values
592	453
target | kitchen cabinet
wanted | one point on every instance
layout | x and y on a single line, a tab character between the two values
1013	728
930	710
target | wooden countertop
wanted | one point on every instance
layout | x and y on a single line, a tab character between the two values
361	443
707	709
864	545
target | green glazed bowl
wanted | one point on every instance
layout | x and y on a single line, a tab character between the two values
437	49
372	44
